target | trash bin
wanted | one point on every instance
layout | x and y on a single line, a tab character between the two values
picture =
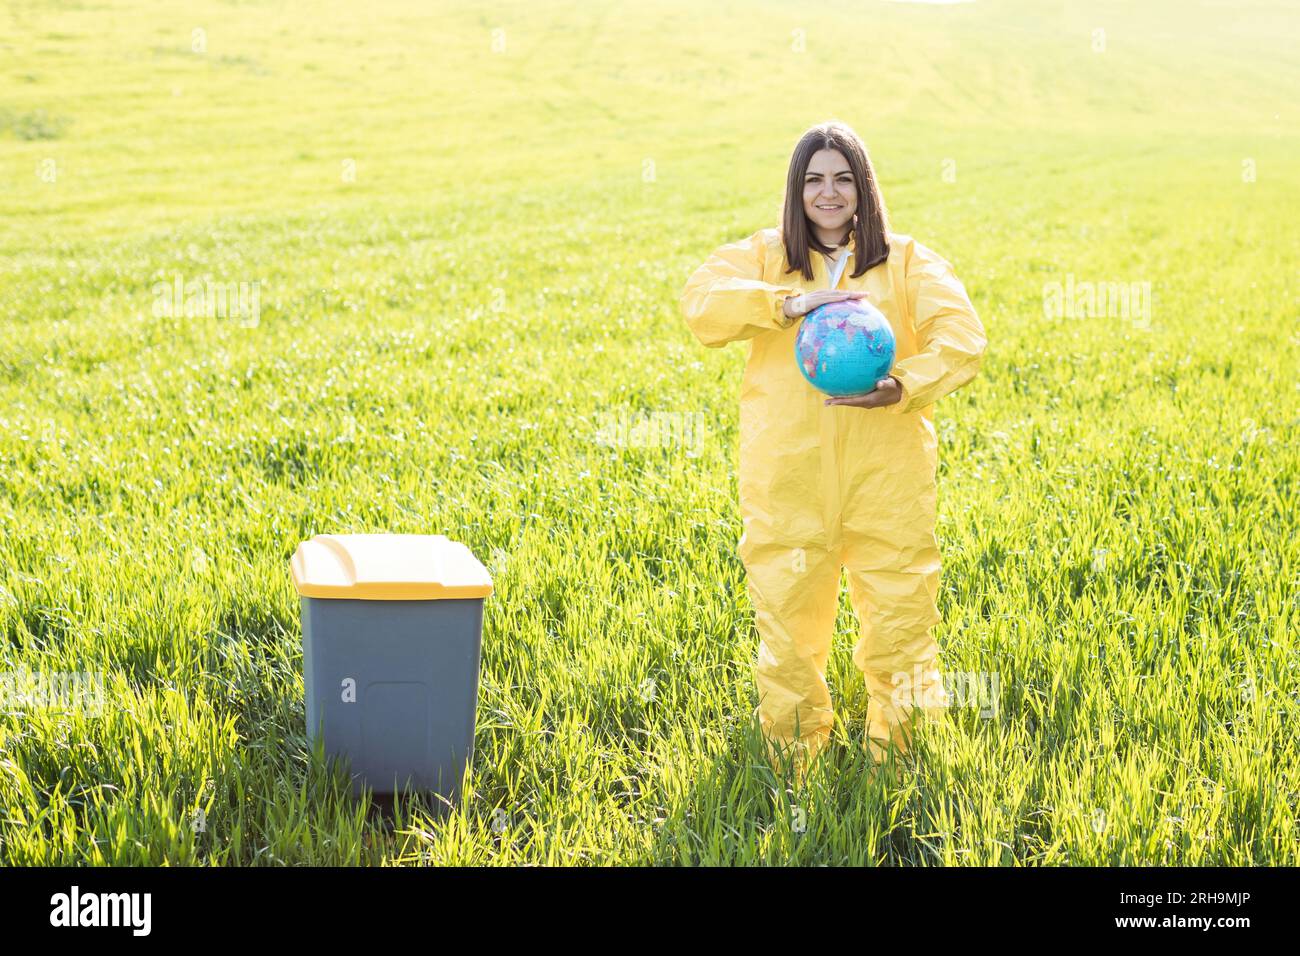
391	630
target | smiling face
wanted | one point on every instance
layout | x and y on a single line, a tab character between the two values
829	197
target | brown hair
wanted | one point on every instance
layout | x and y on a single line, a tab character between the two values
870	228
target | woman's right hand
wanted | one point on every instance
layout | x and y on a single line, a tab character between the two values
797	305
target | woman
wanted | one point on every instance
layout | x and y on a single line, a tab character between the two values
836	483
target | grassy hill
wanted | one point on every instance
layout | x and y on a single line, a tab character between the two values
468	228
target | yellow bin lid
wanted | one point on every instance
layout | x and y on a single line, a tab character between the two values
388	567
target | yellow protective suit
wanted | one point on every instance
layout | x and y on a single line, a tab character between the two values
830	487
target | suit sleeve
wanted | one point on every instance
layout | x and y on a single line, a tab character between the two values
726	300
950	336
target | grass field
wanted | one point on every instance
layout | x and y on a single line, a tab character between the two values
468	229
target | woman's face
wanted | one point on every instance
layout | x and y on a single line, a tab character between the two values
829	197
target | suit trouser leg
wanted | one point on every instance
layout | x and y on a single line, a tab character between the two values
897	653
795	594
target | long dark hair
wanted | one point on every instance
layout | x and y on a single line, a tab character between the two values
870	229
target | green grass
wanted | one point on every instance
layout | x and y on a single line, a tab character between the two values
441	339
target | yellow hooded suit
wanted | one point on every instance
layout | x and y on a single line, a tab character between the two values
824	487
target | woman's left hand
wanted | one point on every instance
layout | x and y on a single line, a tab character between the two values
887	391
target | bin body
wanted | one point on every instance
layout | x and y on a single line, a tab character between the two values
391	635
392	687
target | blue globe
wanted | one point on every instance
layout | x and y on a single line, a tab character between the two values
845	347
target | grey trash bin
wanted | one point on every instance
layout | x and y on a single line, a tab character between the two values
391	631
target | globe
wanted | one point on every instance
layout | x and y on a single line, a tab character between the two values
845	347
